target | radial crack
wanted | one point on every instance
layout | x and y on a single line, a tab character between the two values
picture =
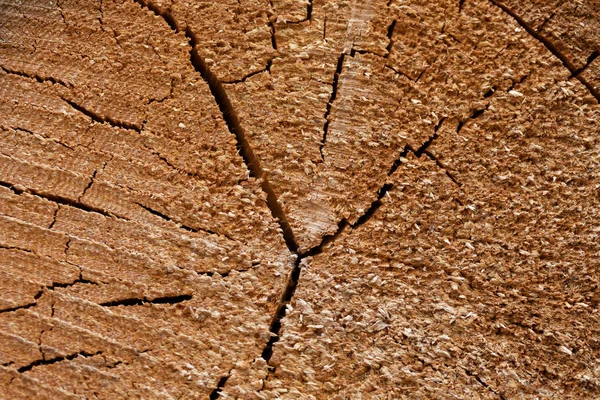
267	68
180	225
144	300
216	393
390	34
590	60
55	360
549	45
336	78
60	200
232	121
35	77
102	120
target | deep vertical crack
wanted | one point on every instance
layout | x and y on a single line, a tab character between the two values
275	326
334	90
233	123
550	46
231	120
390	34
216	393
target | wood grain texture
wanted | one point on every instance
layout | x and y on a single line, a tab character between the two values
299	199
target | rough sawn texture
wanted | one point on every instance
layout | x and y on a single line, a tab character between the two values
294	199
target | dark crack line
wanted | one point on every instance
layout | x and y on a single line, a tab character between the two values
243	146
474	115
54	215
334	90
101	21
16	308
50	287
590	60
180	225
390	34
275	326
61	12
168	163
549	45
272	20
232	121
93	177
35	77
267	68
55	360
429	141
60	200
212	273
558	6
482	383
145	300
45	138
102	120
216	393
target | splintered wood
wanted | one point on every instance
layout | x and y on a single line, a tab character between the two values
296	199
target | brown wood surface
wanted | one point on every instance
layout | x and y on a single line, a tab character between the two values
299	199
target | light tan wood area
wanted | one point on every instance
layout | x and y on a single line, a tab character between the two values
299	199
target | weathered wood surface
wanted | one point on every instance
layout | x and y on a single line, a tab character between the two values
294	199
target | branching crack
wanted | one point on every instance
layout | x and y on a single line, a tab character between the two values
232	122
145	300
550	46
275	326
55	360
53	286
35	77
102	120
336	78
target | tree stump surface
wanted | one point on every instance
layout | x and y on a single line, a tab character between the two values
294	199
